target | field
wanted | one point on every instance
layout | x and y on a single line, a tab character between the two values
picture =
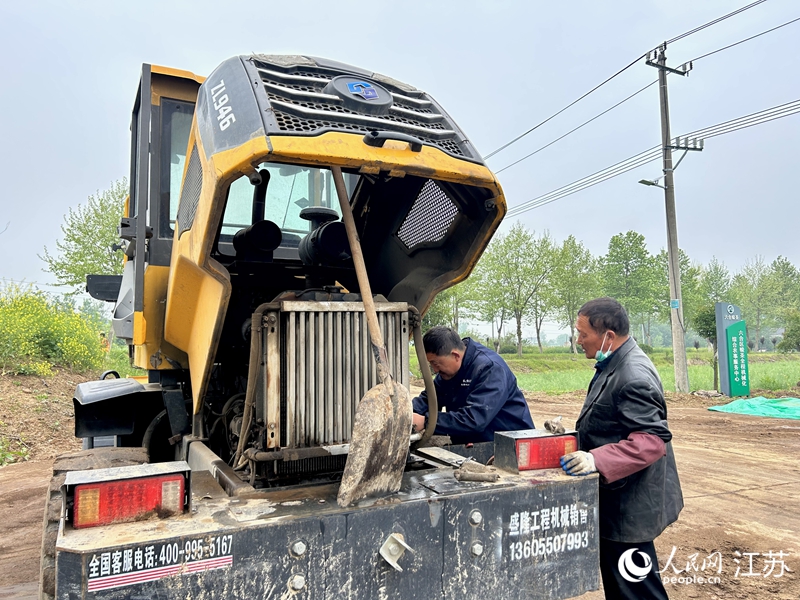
557	371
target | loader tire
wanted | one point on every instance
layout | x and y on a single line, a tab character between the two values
86	460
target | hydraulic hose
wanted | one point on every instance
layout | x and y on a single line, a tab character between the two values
252	378
430	390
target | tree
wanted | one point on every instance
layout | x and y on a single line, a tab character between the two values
715	282
791	337
631	276
705	323
783	280
573	282
691	287
524	265
443	311
753	290
89	231
488	302
543	302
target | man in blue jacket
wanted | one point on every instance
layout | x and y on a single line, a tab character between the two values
476	387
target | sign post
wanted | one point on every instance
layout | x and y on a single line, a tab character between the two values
734	372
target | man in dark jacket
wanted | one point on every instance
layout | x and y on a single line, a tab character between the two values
476	387
623	435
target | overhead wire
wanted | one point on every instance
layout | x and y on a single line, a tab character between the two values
640	159
577	128
574	102
715	21
746	39
652	154
527	156
622	70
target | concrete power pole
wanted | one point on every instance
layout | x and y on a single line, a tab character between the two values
673	253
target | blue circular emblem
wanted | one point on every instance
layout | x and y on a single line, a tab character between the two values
360	94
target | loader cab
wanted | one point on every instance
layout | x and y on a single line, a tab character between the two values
160	126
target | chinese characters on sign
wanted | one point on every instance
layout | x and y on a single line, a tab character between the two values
126	566
732	350
709	569
737	358
548	531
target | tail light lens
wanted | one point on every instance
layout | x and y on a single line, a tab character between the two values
531	449
123	494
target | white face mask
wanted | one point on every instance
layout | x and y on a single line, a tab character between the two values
600	355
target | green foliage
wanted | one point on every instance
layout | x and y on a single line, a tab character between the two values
39	331
574	282
635	278
715	281
791	337
783	283
755	292
630	274
12	451
89	231
705	323
520	265
647	348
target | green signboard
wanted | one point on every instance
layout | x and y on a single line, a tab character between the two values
738	372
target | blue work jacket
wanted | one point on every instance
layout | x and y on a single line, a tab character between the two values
483	397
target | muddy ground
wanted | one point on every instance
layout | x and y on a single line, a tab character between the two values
740	477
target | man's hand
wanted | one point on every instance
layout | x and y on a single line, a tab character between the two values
419	422
578	463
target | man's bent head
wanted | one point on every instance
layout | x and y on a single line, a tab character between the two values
444	351
602	327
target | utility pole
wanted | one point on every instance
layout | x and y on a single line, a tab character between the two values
673	252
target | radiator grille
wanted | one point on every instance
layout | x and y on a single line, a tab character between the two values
301	106
327	366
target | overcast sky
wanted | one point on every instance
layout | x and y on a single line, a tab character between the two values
71	69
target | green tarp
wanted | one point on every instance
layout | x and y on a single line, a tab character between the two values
781	408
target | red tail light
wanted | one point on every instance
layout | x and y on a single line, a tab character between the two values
129	500
531	449
123	494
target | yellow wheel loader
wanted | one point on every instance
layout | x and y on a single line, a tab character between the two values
290	219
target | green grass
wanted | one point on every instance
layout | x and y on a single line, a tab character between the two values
562	372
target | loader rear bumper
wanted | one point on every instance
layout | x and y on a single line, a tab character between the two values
531	536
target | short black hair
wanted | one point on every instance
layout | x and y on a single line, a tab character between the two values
441	341
606	314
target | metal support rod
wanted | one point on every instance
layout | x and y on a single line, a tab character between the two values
673	252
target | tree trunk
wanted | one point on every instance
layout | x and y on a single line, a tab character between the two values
518	317
716	366
539	335
572	339
499	334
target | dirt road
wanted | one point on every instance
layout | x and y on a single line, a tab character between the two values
741	483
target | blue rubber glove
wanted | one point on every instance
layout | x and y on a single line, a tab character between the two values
578	463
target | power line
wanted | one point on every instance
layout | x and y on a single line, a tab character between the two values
714	22
625	166
747	39
770	114
576	129
519	137
648	85
637	59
